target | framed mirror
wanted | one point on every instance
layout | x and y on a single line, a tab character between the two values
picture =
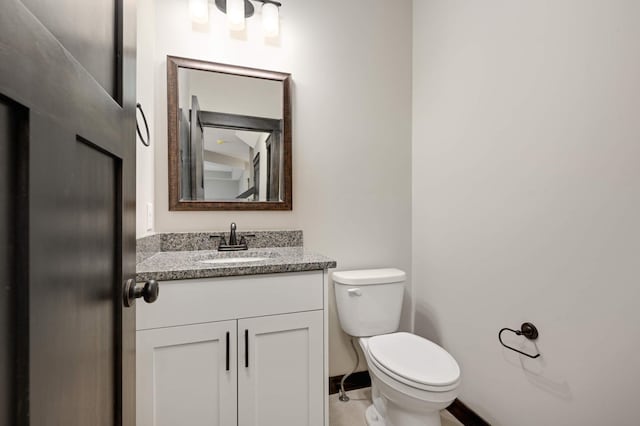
229	137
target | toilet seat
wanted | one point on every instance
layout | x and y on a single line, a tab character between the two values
414	361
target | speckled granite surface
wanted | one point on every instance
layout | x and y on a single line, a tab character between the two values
179	256
148	246
190	241
181	265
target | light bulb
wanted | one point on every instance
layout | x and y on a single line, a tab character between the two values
199	11
270	20
235	14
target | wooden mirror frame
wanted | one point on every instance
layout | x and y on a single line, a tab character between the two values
175	203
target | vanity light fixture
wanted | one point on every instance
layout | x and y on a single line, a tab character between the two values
235	14
271	19
199	11
238	10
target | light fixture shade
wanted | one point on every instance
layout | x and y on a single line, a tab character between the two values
270	20
235	14
199	11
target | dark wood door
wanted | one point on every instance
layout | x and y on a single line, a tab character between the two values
67	212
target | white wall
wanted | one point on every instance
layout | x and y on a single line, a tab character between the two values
184	89
220	189
526	202
145	158
351	69
233	94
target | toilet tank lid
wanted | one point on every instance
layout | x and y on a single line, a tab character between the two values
369	276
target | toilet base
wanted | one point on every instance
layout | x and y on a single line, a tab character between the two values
373	418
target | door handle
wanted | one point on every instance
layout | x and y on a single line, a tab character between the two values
149	292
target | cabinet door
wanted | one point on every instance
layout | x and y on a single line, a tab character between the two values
280	376
187	375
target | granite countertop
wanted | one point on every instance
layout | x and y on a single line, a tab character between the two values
181	265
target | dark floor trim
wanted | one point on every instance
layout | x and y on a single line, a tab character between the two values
466	415
357	380
361	379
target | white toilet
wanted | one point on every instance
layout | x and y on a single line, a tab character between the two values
412	377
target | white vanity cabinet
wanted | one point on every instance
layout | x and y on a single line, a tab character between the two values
182	376
234	351
282	380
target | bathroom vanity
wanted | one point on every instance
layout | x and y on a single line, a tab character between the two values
236	341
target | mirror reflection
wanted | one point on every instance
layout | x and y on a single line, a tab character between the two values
230	136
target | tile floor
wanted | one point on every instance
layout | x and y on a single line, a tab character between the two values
352	413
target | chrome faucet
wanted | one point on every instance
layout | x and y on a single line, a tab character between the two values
233	240
233	245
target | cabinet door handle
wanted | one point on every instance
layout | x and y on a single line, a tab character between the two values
246	348
227	357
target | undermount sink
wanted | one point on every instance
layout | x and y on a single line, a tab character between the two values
233	260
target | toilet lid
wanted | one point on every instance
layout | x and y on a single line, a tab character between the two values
415	359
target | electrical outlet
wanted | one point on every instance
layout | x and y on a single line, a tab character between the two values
149	217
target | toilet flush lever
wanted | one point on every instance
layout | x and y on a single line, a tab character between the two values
354	292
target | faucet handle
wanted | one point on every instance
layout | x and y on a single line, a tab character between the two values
223	240
243	239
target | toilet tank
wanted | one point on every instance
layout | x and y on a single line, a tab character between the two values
369	301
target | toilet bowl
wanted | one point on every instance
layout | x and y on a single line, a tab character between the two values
412	378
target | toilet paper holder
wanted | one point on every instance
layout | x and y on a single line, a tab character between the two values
527	330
